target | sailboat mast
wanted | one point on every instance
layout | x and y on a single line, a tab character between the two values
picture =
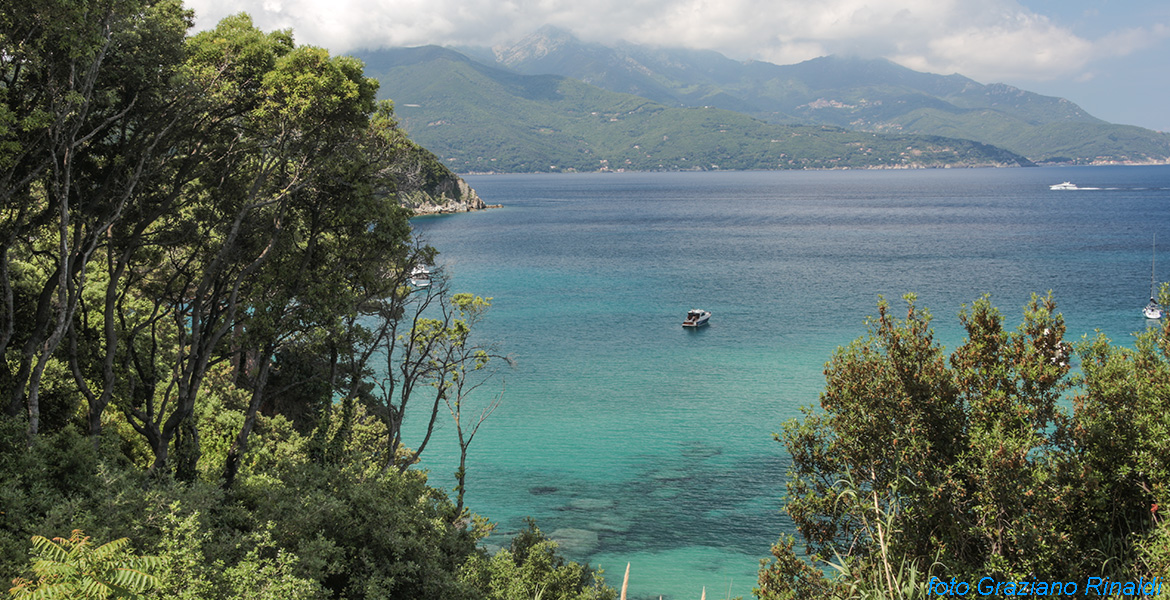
1153	245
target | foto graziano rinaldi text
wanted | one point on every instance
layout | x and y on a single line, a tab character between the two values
1093	586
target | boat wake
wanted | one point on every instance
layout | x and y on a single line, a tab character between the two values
1072	187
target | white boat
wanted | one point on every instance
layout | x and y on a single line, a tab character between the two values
1068	185
1152	310
420	277
696	318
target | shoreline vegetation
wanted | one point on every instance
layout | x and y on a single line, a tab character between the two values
212	328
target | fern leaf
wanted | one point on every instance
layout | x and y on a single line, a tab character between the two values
49	549
58	591
124	593
105	551
147	563
133	579
51	569
95	589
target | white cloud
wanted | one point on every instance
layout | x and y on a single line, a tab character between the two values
988	40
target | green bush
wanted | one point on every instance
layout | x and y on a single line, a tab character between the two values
532	567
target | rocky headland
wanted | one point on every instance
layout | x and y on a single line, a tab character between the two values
452	195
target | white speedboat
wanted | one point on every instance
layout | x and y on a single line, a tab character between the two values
696	318
1068	185
420	277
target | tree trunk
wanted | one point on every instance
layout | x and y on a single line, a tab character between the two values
235	454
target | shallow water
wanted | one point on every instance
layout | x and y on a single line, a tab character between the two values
634	440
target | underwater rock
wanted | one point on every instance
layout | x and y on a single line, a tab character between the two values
670	475
665	493
591	504
576	542
612	524
700	450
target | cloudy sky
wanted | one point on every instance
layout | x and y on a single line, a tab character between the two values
1110	56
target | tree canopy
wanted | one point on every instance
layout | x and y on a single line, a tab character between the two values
996	461
209	330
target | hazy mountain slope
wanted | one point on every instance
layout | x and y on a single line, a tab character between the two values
866	95
480	118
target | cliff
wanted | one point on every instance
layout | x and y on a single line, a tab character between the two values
428	187
449	196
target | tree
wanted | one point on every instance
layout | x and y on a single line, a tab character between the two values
972	465
465	364
86	113
1014	486
184	202
289	216
891	412
435	352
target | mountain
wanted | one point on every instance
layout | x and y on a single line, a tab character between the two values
864	95
480	118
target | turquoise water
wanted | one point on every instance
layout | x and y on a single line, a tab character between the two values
634	440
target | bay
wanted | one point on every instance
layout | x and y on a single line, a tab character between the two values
636	441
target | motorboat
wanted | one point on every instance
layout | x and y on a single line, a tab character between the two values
420	276
1067	185
696	318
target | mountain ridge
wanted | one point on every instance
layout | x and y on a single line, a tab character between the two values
873	95
481	118
573	105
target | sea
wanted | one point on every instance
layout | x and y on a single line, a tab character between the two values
632	440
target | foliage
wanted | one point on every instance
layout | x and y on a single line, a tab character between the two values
254	227
788	577
363	534
291	528
264	572
532	567
202	255
75	568
972	464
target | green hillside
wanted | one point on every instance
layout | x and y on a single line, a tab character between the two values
480	118
857	94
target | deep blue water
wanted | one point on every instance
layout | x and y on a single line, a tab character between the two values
634	440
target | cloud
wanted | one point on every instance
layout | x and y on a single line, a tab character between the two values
989	40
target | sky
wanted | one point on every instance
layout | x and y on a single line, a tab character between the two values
1112	57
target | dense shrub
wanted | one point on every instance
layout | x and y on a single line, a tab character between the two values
997	460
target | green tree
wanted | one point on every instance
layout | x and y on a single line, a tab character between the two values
201	237
972	464
85	89
288	222
892	420
464	365
264	572
425	344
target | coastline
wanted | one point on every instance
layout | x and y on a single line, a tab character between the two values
435	210
898	167
453	197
